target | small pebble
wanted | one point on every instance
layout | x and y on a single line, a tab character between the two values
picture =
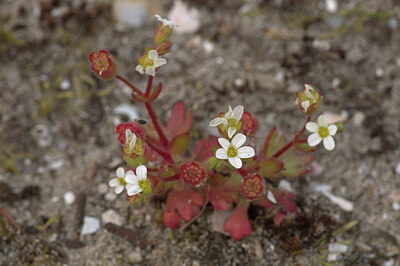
110	216
69	198
397	169
271	197
110	196
358	118
65	84
102	188
135	256
285	185
396	206
90	225
331	6
56	164
337	248
379	72
130	13
188	20
128	110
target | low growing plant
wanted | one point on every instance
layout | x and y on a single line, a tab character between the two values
223	171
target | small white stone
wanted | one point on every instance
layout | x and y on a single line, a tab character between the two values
379	72
54	199
285	185
128	110
332	256
397	169
271	197
220	60
336	82
65	84
135	256
69	197
208	47
337	248
358	118
238	82
56	164
102	188
110	216
130	13
90	225
187	19
110	196
331	6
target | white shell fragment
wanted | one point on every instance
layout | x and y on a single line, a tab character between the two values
344	204
90	225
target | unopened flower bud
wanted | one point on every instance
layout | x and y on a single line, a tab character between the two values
251	187
164	30
163	48
103	65
192	174
309	99
249	123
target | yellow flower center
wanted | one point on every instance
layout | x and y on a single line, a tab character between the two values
232	152
145	185
121	180
323	132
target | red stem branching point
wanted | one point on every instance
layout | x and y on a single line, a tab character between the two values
162	153
136	90
293	141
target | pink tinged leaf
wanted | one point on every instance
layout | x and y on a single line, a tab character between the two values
238	225
303	146
171	219
196	197
285	200
179	144
220	199
329	143
265	202
295	165
314	139
235	162
179	122
270	167
246	152
279	216
271	146
203	149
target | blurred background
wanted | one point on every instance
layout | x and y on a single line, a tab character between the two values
58	148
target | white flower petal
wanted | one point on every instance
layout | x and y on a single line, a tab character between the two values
153	55
329	143
314	139
120	172
231	132
139	69
271	197
118	189
215	122
332	130
128	186
235	162
312	127
131	179
308	90
229	114
133	190
238	112
322	121
224	143
305	105
221	154
246	152
238	140
141	172
224	122
159	62
130	172
150	70
113	182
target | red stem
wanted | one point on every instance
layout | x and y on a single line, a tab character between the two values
293	141
163	139
162	153
136	90
172	178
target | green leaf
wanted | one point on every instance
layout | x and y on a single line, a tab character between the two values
270	167
271	145
135	161
295	164
179	144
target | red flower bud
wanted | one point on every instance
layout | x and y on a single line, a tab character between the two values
103	65
238	225
192	173
309	99
249	123
171	219
162	33
251	187
163	48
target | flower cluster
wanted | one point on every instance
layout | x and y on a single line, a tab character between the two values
223	171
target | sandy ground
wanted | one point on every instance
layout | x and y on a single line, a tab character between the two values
57	128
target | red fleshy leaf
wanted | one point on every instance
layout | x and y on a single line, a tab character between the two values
285	199
179	144
270	167
265	202
171	219
295	164
238	225
279	216
204	148
179	122
183	202
271	145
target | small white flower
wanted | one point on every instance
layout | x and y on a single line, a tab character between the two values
321	131
233	151
137	182
165	21
229	120
130	140
152	61
119	182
